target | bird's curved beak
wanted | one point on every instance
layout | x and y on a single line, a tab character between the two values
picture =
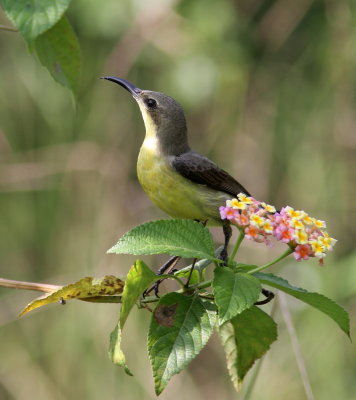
135	91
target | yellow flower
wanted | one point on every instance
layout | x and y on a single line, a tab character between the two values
244	199
234	203
256	220
301	236
318	223
296	223
327	241
307	219
291	212
317	248
267	226
268	207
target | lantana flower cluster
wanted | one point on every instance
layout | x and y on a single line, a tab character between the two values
260	221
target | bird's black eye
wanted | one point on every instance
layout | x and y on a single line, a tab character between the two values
151	103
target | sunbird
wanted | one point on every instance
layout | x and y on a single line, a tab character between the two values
178	180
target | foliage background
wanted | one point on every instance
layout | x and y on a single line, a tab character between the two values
269	92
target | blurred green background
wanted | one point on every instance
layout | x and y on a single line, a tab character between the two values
269	89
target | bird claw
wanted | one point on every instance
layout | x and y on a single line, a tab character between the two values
154	288
223	257
269	296
167	266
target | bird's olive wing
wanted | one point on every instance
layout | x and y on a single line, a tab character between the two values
200	169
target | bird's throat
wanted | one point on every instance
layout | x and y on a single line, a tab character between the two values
150	124
150	144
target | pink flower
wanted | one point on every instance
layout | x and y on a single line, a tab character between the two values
294	227
283	233
302	252
228	213
242	220
251	232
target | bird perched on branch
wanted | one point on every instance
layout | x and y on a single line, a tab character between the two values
178	180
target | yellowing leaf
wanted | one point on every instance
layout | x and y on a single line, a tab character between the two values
115	353
85	288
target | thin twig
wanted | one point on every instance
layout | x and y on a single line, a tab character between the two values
7	28
40	287
295	345
190	273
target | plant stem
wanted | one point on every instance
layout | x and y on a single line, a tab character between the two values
203	285
295	345
7	28
190	273
237	244
40	287
262	267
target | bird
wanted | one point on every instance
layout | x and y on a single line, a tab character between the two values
180	181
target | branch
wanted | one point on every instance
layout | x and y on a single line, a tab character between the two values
40	287
7	28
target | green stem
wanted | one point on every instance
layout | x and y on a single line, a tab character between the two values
262	267
237	244
203	285
152	299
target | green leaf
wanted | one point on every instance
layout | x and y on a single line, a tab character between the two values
180	327
137	280
177	237
33	17
240	267
59	51
320	302
115	353
234	292
245	339
184	273
83	289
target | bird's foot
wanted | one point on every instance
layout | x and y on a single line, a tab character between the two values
154	288
224	257
269	296
167	267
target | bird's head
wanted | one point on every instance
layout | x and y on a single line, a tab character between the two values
163	117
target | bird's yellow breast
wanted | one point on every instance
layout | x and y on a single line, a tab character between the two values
177	196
